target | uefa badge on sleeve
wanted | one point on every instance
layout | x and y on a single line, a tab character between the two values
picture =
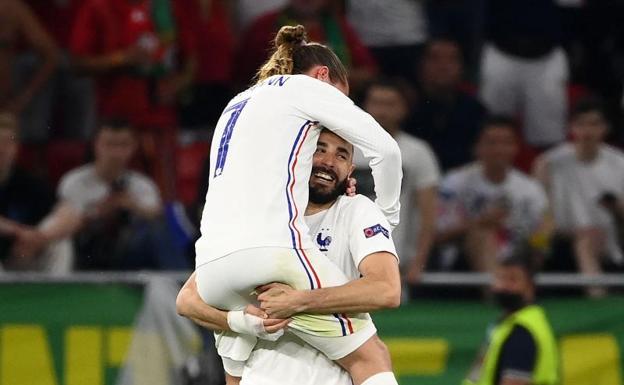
370	232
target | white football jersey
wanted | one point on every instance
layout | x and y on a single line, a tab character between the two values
347	232
261	159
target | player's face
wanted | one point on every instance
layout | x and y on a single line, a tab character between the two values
497	146
386	105
114	148
8	148
331	167
512	281
589	128
442	65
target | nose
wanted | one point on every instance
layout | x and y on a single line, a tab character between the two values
327	161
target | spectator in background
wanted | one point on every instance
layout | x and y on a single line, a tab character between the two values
66	105
17	23
394	32
463	21
585	181
24	202
488	206
209	20
520	348
445	116
113	213
387	102
323	23
142	55
524	69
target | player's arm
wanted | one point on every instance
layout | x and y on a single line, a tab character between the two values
190	305
252	321
379	288
335	111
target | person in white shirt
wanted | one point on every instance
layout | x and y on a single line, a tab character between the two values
250	238
354	235
585	181
387	101
488	206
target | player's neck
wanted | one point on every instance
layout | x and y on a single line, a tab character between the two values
315	208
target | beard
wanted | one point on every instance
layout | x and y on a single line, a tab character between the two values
322	194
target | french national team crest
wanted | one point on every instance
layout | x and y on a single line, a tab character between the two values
370	232
323	243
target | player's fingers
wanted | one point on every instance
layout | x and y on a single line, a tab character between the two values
263	288
272	321
279	326
255	311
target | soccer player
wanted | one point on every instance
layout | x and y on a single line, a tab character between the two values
353	233
265	140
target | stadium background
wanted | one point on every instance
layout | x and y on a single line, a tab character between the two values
74	312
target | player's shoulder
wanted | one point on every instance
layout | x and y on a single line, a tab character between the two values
354	206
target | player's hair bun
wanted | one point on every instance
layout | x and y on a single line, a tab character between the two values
291	36
288	38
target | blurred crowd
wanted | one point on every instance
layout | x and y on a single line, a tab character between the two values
508	115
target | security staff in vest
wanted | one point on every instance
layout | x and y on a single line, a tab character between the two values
521	347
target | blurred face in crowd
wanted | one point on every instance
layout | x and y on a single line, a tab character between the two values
8	149
589	129
331	167
308	8
441	65
387	105
114	148
497	146
512	288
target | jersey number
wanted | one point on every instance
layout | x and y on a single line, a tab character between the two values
224	144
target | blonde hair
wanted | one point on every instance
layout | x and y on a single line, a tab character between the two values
294	55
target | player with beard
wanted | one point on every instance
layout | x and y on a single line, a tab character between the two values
353	233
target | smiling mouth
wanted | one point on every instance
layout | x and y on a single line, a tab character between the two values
323	176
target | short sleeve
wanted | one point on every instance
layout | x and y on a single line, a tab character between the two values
70	191
518	355
145	191
539	203
369	231
427	172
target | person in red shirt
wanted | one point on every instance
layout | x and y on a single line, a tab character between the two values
142	57
209	21
323	23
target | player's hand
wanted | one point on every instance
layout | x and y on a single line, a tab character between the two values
271	325
351	187
279	300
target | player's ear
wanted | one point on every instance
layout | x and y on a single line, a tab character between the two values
351	169
322	74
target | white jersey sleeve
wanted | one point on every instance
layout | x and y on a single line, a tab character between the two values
335	111
368	230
